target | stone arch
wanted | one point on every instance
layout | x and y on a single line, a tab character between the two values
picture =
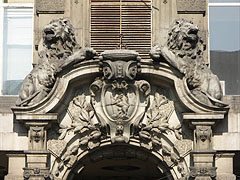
173	164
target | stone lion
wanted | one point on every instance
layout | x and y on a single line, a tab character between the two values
184	50
57	50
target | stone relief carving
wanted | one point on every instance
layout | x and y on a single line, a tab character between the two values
37	173
184	51
82	113
190	6
203	135
118	99
58	50
118	107
203	172
37	138
158	115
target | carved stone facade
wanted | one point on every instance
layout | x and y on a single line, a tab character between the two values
114	115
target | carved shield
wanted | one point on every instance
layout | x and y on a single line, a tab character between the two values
120	104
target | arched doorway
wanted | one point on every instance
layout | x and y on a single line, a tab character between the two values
115	162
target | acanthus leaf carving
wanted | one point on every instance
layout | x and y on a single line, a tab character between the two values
82	113
158	115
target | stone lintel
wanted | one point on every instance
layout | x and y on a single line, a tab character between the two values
15	154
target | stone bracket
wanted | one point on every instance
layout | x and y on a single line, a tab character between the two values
37	125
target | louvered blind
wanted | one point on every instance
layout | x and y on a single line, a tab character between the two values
126	21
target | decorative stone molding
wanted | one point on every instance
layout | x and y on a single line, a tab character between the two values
203	171
203	155
37	174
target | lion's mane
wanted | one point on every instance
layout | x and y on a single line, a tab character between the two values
57	49
184	50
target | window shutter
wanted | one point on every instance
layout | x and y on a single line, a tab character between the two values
129	18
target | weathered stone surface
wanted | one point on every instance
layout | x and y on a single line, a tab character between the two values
190	6
46	6
225	176
184	51
57	51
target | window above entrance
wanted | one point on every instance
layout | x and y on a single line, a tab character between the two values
121	23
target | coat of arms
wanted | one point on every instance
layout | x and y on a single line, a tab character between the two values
118	99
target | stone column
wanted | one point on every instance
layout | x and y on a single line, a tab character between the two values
203	155
37	155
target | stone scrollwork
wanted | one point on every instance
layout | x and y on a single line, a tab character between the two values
184	51
57	50
37	173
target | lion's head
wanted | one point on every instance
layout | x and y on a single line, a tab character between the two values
183	39
58	39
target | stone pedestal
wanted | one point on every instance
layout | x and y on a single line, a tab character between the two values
203	155
37	155
37	167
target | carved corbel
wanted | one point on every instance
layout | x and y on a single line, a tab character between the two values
37	125
37	138
203	138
